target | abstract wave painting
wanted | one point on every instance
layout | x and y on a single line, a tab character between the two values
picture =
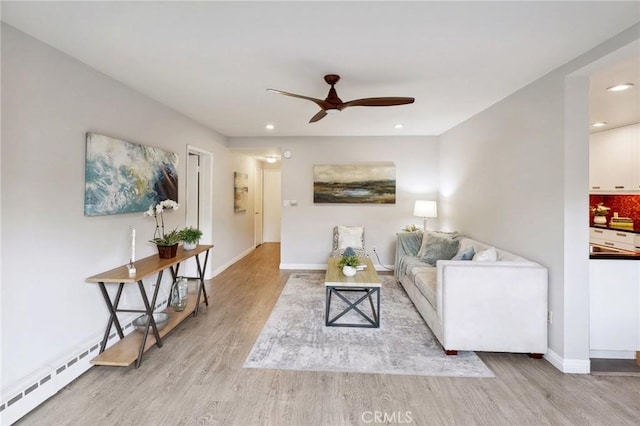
125	177
371	183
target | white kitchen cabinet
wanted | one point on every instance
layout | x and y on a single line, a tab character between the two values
614	307
614	160
613	238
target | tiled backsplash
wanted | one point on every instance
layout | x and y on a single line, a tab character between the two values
624	205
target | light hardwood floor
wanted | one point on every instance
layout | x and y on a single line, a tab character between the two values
197	378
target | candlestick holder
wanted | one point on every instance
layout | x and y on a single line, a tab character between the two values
132	269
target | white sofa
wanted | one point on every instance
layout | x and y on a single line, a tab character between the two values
470	305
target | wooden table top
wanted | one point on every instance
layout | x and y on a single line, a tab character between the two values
146	267
366	278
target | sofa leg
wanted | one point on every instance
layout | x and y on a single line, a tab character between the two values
535	356
450	352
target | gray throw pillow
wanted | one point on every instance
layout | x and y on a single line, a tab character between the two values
438	248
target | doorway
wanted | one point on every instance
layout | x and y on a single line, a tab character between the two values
199	201
258	219
271	205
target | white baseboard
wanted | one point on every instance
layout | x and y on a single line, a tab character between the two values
569	366
613	354
304	266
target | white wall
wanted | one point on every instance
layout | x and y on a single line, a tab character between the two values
49	101
516	176
307	227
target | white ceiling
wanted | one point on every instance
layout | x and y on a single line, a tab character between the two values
615	108
212	61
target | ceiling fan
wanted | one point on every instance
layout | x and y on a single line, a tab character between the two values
333	104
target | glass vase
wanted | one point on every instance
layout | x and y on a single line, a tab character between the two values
179	294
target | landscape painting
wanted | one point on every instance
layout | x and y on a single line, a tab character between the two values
240	191
126	177
369	183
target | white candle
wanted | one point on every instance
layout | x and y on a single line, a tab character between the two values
133	244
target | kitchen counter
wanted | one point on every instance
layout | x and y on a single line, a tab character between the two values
635	230
600	252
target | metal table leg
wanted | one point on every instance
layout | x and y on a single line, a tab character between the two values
113	318
151	323
369	291
201	271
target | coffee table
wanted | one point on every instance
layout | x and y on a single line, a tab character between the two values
365	281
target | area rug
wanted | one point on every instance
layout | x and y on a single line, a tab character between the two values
295	337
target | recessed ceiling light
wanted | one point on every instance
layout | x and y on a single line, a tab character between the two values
620	87
398	126
599	124
269	127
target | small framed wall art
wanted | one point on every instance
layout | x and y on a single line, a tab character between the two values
240	191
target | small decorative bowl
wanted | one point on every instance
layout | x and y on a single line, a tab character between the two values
161	319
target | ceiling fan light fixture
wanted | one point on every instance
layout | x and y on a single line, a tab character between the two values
620	87
333	104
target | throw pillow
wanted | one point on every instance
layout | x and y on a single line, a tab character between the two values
350	236
465	255
488	255
426	235
349	252
439	248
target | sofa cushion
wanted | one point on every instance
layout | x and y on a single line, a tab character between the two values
488	255
348	236
426	235
438	248
466	254
426	283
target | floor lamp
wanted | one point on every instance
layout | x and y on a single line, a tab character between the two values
425	209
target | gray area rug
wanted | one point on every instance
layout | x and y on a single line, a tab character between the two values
295	337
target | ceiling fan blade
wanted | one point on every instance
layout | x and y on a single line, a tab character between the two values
321	103
387	101
319	116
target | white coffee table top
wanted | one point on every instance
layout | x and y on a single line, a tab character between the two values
365	278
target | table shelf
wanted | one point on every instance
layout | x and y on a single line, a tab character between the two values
124	352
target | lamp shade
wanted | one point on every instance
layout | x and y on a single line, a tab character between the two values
425	209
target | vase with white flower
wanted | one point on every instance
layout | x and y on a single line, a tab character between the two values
600	212
167	243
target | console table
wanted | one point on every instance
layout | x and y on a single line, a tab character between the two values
130	348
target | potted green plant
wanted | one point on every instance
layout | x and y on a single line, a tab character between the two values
348	265
190	236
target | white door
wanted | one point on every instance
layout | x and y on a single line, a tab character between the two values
198	203
192	208
271	203
258	207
